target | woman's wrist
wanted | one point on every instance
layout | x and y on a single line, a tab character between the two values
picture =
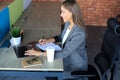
41	53
52	39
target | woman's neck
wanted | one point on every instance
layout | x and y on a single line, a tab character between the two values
71	25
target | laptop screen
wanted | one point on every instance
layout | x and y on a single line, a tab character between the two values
20	51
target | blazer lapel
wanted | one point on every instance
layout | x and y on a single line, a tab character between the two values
72	30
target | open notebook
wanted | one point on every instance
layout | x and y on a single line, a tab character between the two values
44	47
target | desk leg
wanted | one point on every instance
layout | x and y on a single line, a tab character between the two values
60	76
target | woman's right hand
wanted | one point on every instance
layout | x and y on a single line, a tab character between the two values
42	41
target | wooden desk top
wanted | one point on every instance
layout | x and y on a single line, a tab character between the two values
9	61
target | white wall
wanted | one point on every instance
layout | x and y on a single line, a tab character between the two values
26	3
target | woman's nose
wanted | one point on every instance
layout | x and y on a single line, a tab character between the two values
61	14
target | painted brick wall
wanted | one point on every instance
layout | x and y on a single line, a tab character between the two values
96	12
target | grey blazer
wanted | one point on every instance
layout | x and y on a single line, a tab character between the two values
74	51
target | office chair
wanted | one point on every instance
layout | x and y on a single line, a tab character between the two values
106	59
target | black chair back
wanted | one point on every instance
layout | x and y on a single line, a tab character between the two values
111	41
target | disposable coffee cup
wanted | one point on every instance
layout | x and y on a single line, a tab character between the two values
50	53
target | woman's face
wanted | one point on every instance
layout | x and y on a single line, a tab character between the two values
65	14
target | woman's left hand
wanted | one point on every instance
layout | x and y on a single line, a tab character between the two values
33	52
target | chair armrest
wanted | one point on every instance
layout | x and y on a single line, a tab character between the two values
83	73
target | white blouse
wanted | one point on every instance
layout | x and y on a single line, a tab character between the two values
65	36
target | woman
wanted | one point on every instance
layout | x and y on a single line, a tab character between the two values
73	39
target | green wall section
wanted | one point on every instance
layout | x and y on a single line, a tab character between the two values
8	17
15	10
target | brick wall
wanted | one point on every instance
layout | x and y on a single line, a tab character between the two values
96	12
7	0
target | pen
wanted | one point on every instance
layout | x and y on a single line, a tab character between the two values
43	38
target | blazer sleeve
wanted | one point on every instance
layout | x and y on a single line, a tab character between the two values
57	38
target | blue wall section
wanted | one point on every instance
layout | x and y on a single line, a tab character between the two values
4	22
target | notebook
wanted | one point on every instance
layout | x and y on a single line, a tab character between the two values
31	61
44	47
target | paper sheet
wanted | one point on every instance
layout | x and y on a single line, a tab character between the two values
44	47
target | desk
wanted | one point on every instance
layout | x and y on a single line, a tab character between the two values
10	65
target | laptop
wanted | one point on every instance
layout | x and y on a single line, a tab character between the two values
20	51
